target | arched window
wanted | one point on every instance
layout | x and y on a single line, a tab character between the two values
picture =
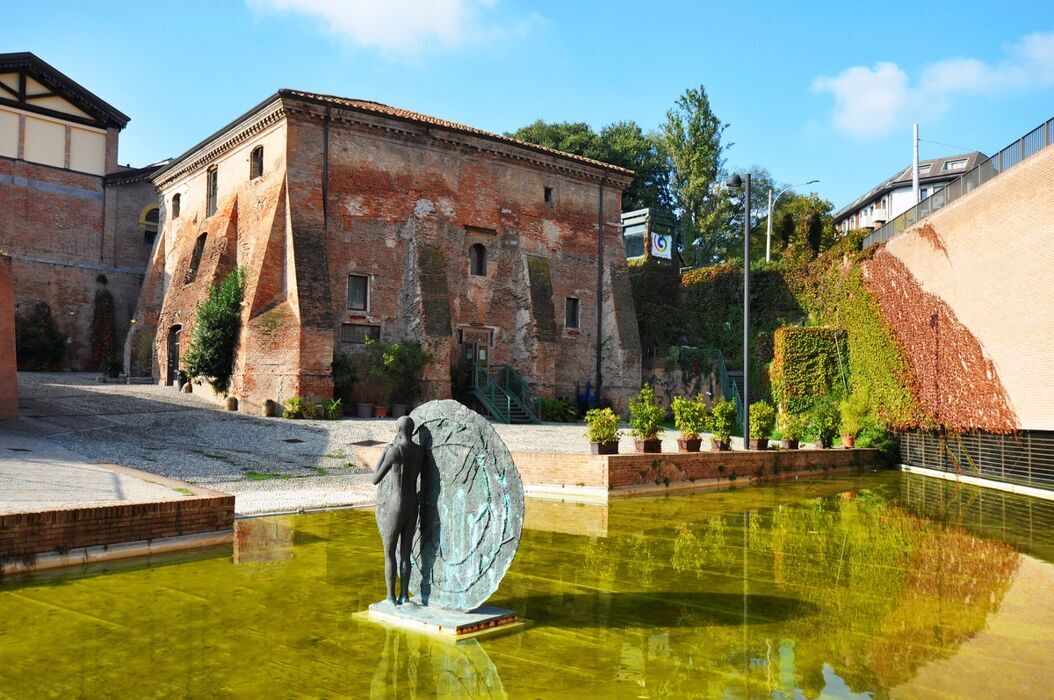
148	222
477	260
175	205
195	258
256	163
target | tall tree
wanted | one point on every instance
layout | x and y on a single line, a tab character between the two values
693	138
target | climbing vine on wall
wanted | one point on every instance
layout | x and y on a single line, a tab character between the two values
216	325
808	362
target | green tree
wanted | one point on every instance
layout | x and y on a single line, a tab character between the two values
693	138
624	144
216	325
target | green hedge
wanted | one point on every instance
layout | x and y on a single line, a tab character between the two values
808	362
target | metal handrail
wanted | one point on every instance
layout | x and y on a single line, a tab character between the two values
521	391
1028	145
728	387
493	397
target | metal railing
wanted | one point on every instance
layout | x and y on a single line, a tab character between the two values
1025	458
504	393
728	387
495	399
521	391
1028	145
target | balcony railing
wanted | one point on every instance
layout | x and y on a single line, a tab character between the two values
1028	145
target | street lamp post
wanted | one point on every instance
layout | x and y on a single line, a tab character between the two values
736	181
772	203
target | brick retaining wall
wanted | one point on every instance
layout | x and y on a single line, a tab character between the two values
25	535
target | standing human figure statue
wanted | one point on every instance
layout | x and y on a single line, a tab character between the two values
398	522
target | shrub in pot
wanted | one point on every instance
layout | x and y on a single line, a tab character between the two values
602	431
690	416
645	421
792	427
762	422
403	366
722	423
824	420
344	379
853	411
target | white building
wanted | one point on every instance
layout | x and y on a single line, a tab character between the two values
894	196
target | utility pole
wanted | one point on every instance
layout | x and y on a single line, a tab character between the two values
915	167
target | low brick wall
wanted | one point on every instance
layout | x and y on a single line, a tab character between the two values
23	536
626	470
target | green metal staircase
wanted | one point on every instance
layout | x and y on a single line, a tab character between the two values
505	395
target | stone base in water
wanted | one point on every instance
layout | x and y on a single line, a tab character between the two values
451	623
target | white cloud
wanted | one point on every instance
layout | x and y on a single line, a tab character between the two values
873	101
403	28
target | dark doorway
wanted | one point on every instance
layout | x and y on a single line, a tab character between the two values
173	354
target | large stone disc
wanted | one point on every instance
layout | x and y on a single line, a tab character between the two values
471	508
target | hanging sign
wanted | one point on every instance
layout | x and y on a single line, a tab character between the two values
661	246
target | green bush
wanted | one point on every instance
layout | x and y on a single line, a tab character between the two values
38	343
602	425
294	408
792	426
690	416
344	377
877	436
334	409
558	410
824	420
645	416
404	364
215	332
723	419
762	420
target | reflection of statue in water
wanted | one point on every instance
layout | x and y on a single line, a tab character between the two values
398	521
413	665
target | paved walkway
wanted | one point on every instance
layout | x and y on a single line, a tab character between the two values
39	475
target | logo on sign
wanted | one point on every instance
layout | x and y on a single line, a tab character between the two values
661	246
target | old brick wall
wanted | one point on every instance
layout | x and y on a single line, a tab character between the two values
988	256
8	375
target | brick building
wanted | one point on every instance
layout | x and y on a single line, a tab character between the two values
352	218
77	226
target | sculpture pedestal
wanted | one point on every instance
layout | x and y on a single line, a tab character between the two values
442	621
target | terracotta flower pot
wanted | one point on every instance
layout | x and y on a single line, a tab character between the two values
790	444
849	441
604	448
648	446
381	411
720	445
758	444
689	445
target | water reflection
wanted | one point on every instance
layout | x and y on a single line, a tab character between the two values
878	585
419	666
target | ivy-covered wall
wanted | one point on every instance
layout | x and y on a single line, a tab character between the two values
808	361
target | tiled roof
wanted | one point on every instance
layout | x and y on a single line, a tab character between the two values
936	173
417	117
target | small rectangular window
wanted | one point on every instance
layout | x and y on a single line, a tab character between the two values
356	333
548	195
955	164
212	190
358	292
571	319
256	163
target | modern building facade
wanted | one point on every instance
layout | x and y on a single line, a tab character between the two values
353	219
77	226
894	195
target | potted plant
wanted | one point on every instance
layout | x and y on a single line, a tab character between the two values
722	423
762	421
603	431
403	369
645	421
853	411
344	378
792	427
690	417
824	420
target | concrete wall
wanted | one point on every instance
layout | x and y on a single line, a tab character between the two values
988	259
8	375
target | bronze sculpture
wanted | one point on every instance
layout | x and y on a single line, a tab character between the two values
398	521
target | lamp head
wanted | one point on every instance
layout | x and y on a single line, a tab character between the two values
734	181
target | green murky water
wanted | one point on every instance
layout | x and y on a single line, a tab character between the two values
869	586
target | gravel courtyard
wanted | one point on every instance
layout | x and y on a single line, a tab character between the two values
270	464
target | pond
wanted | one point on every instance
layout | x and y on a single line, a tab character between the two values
864	586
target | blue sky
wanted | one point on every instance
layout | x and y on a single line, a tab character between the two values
824	90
